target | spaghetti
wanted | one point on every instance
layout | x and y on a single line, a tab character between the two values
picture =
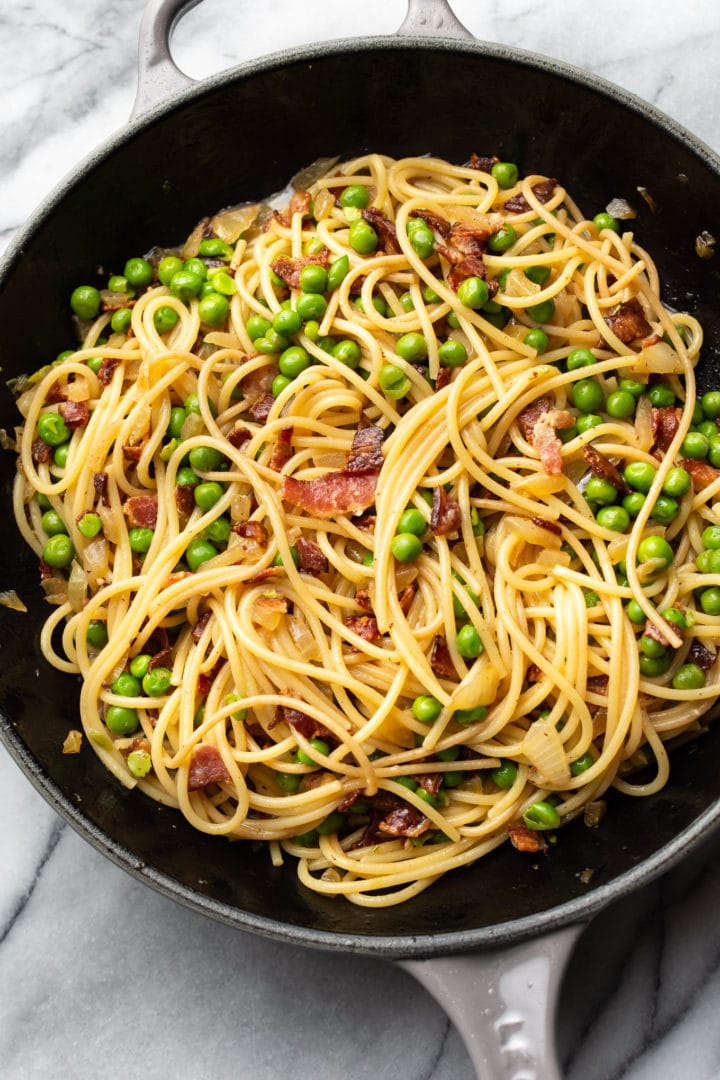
382	527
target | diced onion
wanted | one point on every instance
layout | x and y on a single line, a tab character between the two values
657	359
304	640
230	224
73	742
10	599
544	749
77	587
644	437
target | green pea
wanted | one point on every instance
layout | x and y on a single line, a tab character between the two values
139	763
620	405
139	665
689	677
469	642
582	764
426	708
198	552
538	274
257	326
218	531
632	387
311	306
288	782
661	395
157	681
452	320
505	775
95	363
205	458
368	558
579	357
121	720
537	339
635	613
89	525
126	685
362	237
477	523
52	523
426	796
317	744
313	279
168	267
406	547
470	716
287	322
452	353
121	320
58	551
337	272
139	272
714	451
599	490
85	301
215	248
587	395
655	547
473	292
280	383
639	475
119	284
186	477
654	666
606	221
430	296
613	517
293	361
505	173
709	598
711	404
665	510
695	446
412	521
634	503
450	753
711	537
541	815
96	633
207	494
185	285
140	540
393	381
294	555
347	352
650	647
61	455
356	195
332	824
213	308
52	429
676	617
542	312
708	428
502	240
165	319
423	241
411	347
196	266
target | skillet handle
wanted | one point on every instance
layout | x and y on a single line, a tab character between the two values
433	18
503	1003
159	77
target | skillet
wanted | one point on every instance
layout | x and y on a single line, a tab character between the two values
502	901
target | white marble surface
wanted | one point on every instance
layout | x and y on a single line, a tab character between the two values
100	978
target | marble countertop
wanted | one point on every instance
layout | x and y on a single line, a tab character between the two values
101	978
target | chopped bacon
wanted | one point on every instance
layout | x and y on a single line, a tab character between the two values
405	598
336	492
405	820
46	571
106	369
40	451
349	801
654	632
444	377
598	684
162	658
445	517
430	782
464	251
199	627
289	269
385	229
312	559
305	725
440	659
134	453
366	450
251	530
362	599
141	511
530	415
100	483
260	409
356	284
702	656
533	673
524	839
546	441
481	162
56	393
265	575
74	413
543	192
184	498
439	224
701	473
206	767
299	204
627	321
365	626
282	450
665	423
551	526
604	468
238	436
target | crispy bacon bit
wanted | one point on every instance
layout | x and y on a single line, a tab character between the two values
265	575
349	801
700	654
299	204
464	251
551	526
239	436
74	413
483	163
444	377
439	224
282	450
604	468
665	423
46	571
445	517
251	530
56	393
627	321
365	626
533	673
440	659
431	782
362	599
366	451
100	483
312	559
162	658
141	511
289	269
598	684
530	415
305	725
543	192
701	473
134	453
654	632
199	627
40	451
106	369
546	441
405	820
385	229
336	492
184	498
524	839
206	767
260	409
405	598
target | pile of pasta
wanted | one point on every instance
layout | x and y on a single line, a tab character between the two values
276	658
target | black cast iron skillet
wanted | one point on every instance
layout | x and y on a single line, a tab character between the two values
479	937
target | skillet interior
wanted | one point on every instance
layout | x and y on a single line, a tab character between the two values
240	138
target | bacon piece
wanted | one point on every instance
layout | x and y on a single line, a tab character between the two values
184	498
56	393
464	251
430	782
604	468
162	658
700	654
100	483
362	599
524	839
654	632
530	415
305	725
627	321
336	492
106	369
533	673
40	451
238	436
546	441
444	376
251	530
365	626
405	598
385	229
701	473
542	191
551	526
299	204
366	450
665	423
440	659
260	409
445	517
282	450
199	627
405	820
312	559
134	453
349	801
289	269
46	571
264	575
481	162
141	511
439	224
74	413
598	684
206	767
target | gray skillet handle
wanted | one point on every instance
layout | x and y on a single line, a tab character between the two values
159	77
503	1003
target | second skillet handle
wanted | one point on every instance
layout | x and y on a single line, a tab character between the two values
159	77
503	1003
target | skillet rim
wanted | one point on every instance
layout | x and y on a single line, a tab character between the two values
576	910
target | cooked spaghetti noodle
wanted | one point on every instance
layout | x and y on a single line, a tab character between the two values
388	561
